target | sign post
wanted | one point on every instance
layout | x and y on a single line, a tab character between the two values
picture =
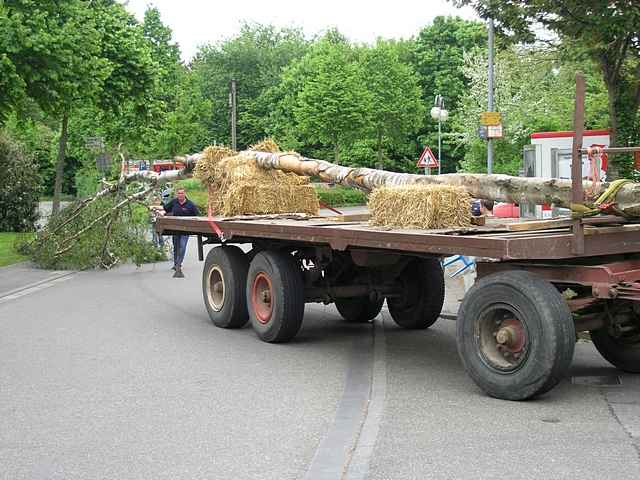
427	161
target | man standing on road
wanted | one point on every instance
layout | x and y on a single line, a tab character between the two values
180	206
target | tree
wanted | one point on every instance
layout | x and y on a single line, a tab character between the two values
524	109
255	59
19	188
438	57
398	108
54	48
608	31
166	55
327	97
76	53
184	129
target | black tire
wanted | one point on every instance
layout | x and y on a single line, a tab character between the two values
278	318
422	282
515	335
223	286
359	309
622	352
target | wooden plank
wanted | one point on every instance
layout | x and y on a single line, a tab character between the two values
588	230
540	224
352	217
563	223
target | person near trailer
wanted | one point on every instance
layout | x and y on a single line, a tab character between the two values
180	206
482	207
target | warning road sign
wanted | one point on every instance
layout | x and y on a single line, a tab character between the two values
427	159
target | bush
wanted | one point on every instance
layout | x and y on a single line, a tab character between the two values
19	187
341	196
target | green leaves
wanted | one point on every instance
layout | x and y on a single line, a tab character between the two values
534	92
333	106
337	96
19	188
607	31
255	59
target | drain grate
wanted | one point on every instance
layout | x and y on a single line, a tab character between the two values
597	380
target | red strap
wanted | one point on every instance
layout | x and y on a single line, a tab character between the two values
324	205
214	226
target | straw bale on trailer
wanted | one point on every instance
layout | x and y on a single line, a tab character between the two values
206	168
252	198
238	186
420	206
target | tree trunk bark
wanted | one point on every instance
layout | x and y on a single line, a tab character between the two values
336	152
623	100
502	188
62	150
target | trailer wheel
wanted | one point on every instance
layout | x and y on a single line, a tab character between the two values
275	296
223	281
515	335
422	282
620	345
359	309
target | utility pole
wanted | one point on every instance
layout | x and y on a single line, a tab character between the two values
490	84
232	107
439	113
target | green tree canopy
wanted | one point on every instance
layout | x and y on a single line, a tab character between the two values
608	31
332	105
255	59
397	106
525	110
439	58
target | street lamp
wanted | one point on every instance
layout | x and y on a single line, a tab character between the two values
439	113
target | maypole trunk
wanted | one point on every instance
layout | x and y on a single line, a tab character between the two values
502	188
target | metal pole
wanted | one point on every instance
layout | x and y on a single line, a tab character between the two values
439	143
577	192
233	114
490	84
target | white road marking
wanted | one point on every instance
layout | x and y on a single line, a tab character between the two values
36	287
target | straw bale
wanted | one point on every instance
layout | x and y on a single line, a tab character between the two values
266	145
256	199
238	186
420	206
205	169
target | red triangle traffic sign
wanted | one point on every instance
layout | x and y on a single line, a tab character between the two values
427	159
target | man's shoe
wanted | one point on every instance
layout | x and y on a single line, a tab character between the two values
173	268
178	273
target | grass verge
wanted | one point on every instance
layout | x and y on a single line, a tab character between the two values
8	253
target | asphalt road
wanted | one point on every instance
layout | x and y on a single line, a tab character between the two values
120	375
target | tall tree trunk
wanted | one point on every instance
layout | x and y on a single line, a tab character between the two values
623	111
380	163
336	152
62	150
503	188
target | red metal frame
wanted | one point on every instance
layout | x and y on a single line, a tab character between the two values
570	133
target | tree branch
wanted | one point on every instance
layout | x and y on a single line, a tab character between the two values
119	205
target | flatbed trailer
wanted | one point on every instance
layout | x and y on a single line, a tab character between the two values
539	283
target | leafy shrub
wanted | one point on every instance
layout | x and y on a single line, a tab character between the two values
19	187
341	196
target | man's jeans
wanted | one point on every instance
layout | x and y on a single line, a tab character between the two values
179	249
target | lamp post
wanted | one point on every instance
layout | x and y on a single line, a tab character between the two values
439	113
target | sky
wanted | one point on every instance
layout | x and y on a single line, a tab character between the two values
198	22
